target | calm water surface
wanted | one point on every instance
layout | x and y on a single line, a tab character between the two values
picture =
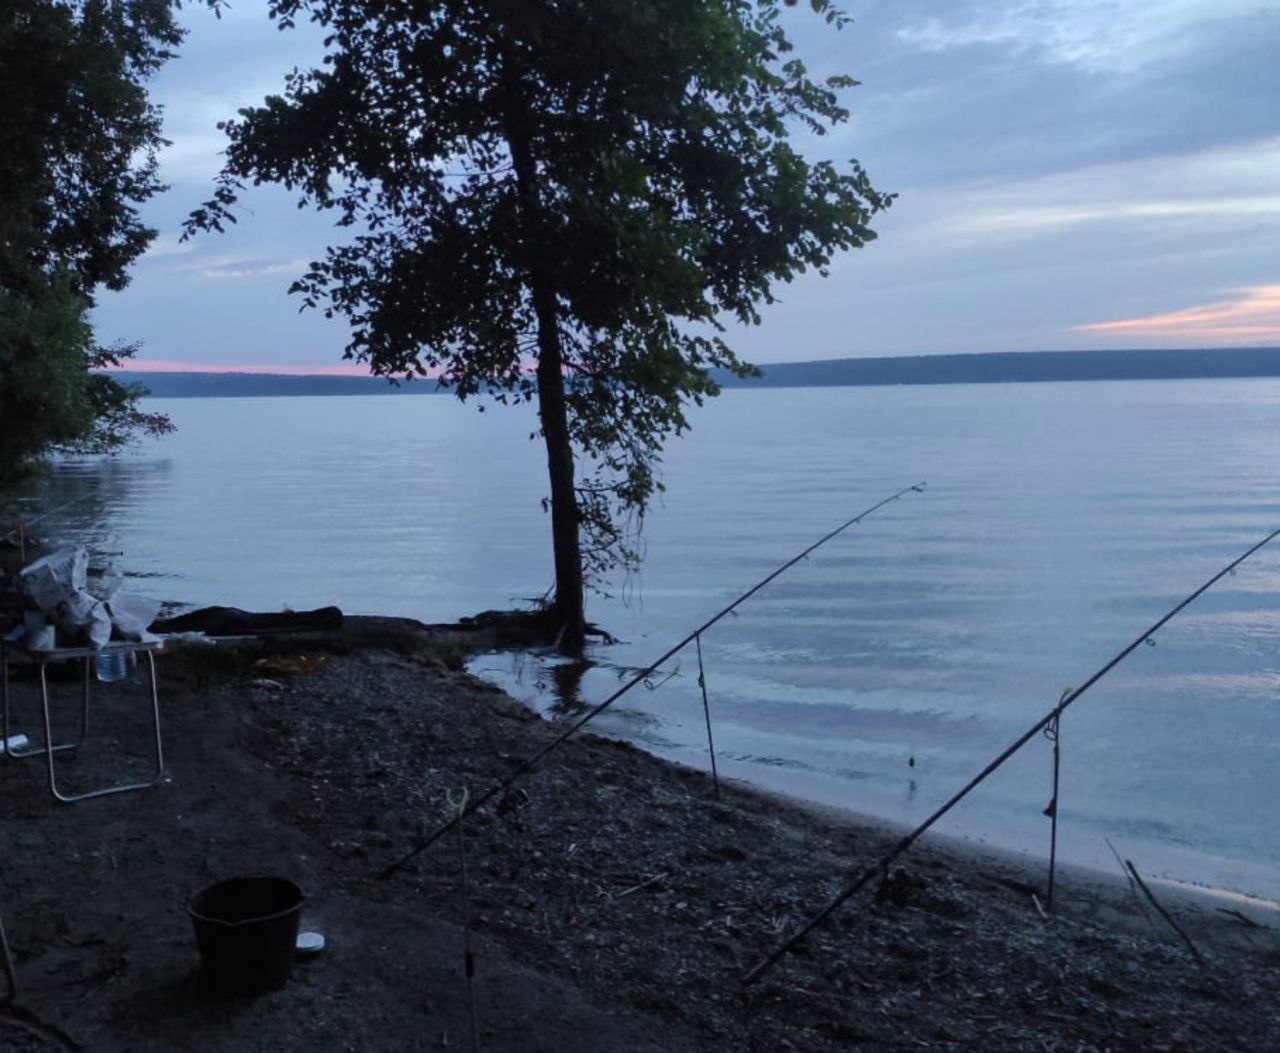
1060	520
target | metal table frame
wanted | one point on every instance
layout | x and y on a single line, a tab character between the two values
86	656
11	977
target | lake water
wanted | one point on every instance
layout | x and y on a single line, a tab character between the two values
1060	521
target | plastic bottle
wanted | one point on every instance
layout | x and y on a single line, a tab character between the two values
110	666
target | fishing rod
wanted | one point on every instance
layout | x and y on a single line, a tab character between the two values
18	533
528	765
54	511
881	866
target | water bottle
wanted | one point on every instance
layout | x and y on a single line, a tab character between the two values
110	666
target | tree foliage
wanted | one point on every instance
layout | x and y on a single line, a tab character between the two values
80	140
560	200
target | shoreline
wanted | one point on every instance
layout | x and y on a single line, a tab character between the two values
1117	902
1154	858
1035	866
615	909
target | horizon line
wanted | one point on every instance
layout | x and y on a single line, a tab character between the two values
360	370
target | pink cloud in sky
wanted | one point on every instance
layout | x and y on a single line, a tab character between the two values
1252	315
339	369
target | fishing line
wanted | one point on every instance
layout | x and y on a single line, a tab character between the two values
881	866
19	532
528	765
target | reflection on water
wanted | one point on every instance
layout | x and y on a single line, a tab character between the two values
1060	520
566	678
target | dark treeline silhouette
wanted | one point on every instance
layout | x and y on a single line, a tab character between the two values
1021	367
989	368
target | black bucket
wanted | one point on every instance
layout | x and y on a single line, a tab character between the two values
247	930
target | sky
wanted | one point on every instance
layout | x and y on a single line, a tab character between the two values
1085	174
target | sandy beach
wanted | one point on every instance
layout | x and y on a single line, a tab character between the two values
614	908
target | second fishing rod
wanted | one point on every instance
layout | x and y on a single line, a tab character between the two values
880	867
532	762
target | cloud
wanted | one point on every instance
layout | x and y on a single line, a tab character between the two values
1036	218
224	64
1252	315
1165	196
1018	264
167	245
1096	36
971	89
245	268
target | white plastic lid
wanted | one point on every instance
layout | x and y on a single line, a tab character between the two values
309	943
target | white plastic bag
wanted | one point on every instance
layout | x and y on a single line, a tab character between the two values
58	585
132	615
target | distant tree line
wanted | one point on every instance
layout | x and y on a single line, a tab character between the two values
1022	367
978	368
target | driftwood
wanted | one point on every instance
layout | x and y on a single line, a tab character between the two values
1243	919
231	621
643	884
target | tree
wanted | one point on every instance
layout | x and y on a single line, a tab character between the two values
80	139
560	200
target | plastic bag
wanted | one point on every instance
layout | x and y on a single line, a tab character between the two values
132	616
58	585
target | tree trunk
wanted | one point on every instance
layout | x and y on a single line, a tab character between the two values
568	608
569	603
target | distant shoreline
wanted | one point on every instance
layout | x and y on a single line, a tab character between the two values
1021	367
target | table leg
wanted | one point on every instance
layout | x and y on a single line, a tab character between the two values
32	751
50	749
84	700
4	698
155	714
10	974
